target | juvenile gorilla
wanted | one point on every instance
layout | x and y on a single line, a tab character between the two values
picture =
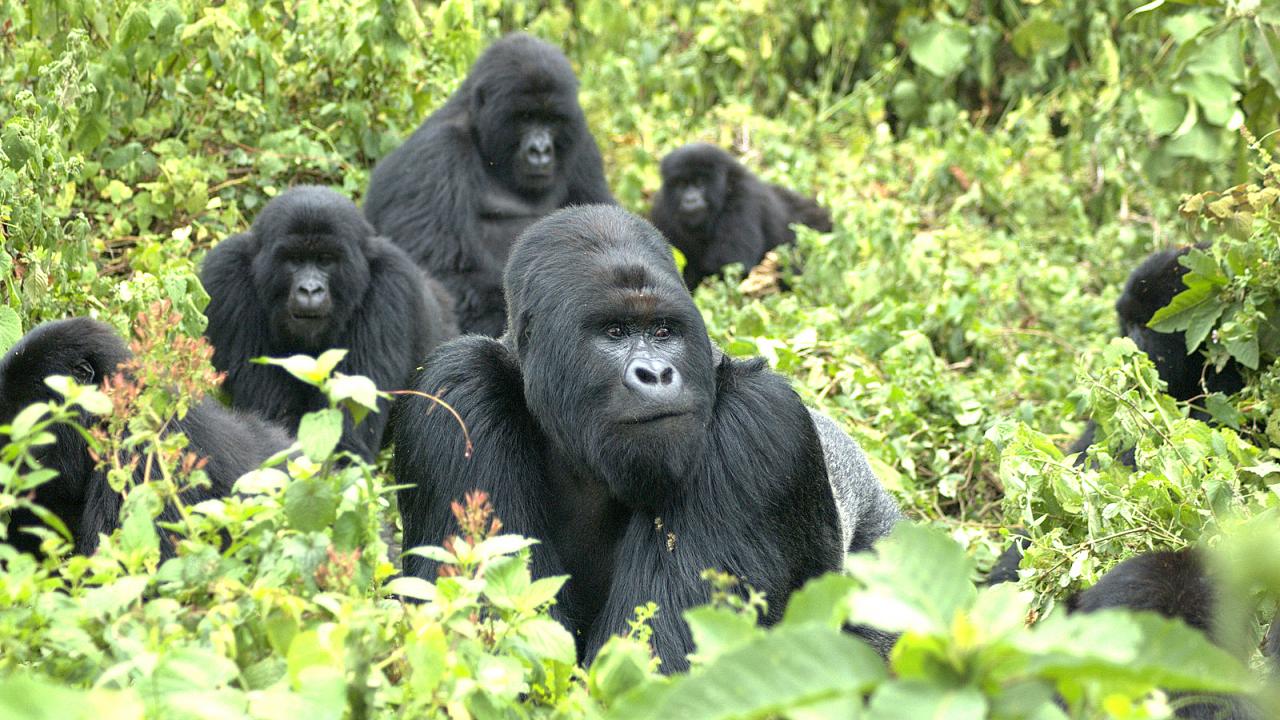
311	275
510	146
80	496
606	426
1175	585
717	213
1152	286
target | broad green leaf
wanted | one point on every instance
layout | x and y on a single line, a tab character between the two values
10	328
311	505
941	48
918	699
822	600
24	697
790	667
548	639
717	630
917	580
411	587
1040	35
261	482
621	666
501	676
427	651
319	433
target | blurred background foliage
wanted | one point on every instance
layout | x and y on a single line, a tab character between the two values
995	168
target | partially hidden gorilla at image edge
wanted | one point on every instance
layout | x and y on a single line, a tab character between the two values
608	427
509	147
717	213
89	351
1178	585
308	276
1152	286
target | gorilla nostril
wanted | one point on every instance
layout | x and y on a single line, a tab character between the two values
646	376
667	375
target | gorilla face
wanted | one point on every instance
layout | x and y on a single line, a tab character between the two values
525	114
84	349
617	365
695	180
310	268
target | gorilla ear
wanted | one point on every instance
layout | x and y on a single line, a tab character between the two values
83	372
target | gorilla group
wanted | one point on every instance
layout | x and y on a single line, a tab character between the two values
311	275
717	213
80	496
1152	286
510	146
607	426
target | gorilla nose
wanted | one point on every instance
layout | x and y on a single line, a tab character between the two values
653	379
310	296
539	151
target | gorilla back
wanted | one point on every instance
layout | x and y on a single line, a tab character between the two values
510	146
89	351
605	426
310	275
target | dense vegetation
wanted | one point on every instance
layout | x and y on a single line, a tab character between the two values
995	169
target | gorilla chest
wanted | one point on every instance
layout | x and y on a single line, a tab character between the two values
504	215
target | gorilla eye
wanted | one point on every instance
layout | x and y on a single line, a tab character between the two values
662	333
615	331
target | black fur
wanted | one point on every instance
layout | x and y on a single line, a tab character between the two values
382	310
80	496
632	489
454	195
1152	286
1175	585
728	216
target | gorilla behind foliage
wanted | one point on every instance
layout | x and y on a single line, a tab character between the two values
88	351
510	146
311	275
718	213
1152	286
606	426
1175	584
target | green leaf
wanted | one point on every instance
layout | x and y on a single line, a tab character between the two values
311	504
717	630
10	328
790	667
917	580
548	639
24	697
926	701
427	651
1040	35
319	433
822	600
1244	349
312	371
621	666
941	48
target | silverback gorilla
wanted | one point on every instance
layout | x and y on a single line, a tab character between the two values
311	275
510	146
1151	286
1175	584
607	426
89	351
717	213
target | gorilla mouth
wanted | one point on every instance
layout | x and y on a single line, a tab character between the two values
308	315
656	417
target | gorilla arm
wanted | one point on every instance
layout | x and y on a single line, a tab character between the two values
387	338
426	197
759	506
587	185
480	378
